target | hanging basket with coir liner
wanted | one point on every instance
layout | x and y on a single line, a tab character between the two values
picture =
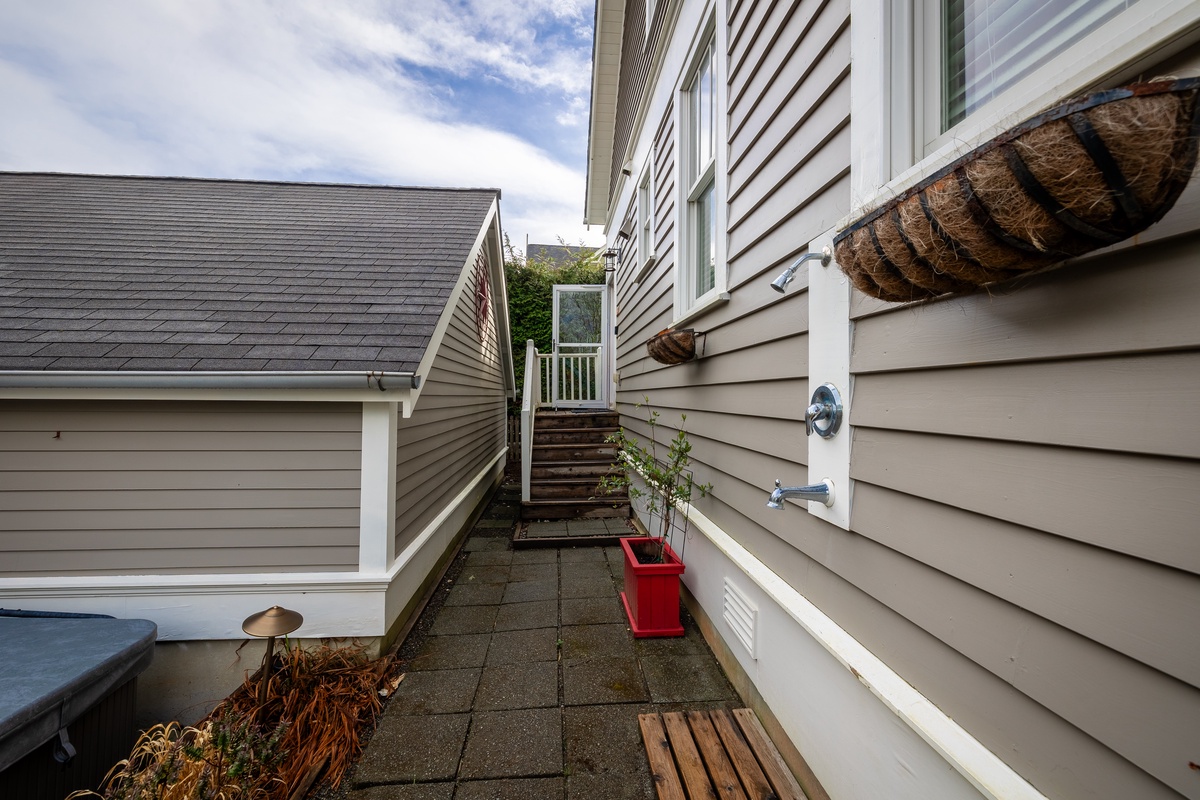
1086	174
673	346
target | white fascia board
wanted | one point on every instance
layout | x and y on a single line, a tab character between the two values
495	248
443	323
606	67
320	387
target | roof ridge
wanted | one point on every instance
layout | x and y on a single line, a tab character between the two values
250	181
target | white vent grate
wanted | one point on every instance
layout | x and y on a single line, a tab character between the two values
742	617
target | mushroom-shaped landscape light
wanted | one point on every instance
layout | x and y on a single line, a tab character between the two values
275	621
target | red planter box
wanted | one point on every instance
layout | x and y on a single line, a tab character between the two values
651	595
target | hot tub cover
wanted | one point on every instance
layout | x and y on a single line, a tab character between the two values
55	669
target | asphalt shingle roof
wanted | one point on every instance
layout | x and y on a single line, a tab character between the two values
126	273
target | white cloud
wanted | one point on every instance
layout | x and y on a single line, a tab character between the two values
304	90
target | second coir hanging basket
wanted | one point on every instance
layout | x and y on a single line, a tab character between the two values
673	346
1086	174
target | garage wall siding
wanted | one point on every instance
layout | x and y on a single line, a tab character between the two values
100	488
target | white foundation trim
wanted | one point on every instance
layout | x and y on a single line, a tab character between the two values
978	765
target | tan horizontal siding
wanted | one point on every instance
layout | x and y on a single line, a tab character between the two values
458	426
163	488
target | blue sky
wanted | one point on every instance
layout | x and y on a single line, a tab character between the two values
487	93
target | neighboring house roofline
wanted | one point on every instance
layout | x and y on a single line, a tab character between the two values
606	73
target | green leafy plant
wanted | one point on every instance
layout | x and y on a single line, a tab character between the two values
662	486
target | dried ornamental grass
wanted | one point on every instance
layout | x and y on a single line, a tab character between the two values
319	702
1086	174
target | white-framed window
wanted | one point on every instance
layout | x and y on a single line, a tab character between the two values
700	276
645	211
935	78
976	50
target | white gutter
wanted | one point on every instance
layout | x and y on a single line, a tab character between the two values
103	379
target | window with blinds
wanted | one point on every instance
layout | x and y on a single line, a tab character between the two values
988	45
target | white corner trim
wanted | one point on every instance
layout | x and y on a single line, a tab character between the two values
965	754
377	493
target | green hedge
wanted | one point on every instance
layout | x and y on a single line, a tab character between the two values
531	298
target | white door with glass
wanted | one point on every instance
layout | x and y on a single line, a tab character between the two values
577	372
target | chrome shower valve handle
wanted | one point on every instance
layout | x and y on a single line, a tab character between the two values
824	416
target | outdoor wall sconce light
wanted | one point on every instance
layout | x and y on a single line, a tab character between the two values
612	259
275	621
780	284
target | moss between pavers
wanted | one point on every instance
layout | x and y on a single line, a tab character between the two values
592	681
686	679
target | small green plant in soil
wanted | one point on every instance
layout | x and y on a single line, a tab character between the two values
662	485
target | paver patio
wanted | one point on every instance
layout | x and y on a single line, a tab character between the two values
528	683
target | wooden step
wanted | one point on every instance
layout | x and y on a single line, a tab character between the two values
593	470
576	419
573	509
578	488
573	452
572	435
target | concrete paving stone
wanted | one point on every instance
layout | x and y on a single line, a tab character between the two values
397	754
533	572
604	740
512	789
472	593
540	555
441	691
601	585
464	619
485	558
476	543
591	681
615	555
619	527
489	573
546	530
503	510
523	647
586	527
578	570
592	610
605	787
518	686
690	644
406	791
494	524
528	591
452	652
684	679
595	641
570	555
506	744
523	616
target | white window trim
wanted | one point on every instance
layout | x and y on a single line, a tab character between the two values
686	307
647	230
885	138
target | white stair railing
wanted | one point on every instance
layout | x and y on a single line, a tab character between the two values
531	400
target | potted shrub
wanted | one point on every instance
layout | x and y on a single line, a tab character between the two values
663	489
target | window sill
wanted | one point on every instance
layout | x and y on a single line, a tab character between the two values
705	305
644	269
